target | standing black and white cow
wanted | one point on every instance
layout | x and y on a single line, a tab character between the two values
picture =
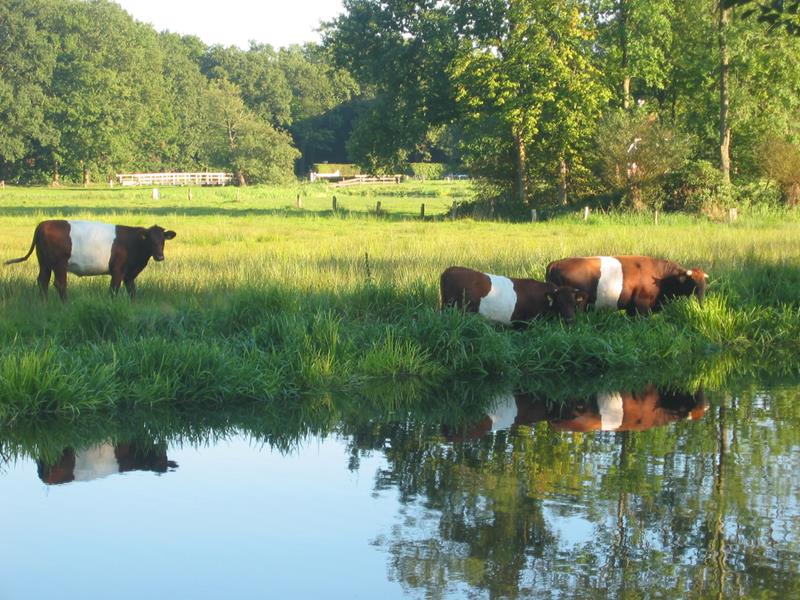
637	284
92	248
506	299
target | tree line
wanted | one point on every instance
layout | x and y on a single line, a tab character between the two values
86	91
637	102
641	102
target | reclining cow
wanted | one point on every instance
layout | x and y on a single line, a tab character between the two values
506	299
92	248
637	284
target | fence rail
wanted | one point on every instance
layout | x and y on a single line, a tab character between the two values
204	178
362	179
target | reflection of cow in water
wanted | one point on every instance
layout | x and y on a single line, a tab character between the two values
614	411
105	459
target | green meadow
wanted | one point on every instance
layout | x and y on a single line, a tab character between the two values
260	302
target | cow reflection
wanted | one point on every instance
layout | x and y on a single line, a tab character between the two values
102	460
607	411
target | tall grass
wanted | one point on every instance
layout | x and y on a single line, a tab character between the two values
259	302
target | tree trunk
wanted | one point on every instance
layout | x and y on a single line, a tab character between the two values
56	175
562	182
724	97
86	178
520	184
623	44
240	178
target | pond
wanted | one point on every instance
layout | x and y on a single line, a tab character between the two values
640	492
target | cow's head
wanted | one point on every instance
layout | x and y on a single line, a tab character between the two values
686	283
154	238
565	301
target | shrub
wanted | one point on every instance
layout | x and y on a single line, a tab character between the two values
425	171
634	153
696	187
345	169
780	161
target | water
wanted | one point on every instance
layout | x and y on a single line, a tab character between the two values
660	493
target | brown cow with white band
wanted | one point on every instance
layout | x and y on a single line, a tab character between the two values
93	248
506	299
637	284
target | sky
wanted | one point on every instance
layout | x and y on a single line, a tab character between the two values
236	22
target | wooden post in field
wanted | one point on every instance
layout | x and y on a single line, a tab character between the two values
422	211
298	202
334	204
190	194
453	210
733	214
378	208
534	216
154	194
656	217
2	184
585	212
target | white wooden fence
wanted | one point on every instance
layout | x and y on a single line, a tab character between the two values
204	178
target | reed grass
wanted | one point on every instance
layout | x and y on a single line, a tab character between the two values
259	302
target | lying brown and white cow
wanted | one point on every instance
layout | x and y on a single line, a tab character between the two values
638	284
92	248
506	299
608	411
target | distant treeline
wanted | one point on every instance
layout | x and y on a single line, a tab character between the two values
643	103
86	91
655	103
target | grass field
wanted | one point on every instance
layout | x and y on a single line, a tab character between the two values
258	300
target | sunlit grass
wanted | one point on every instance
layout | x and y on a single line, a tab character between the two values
258	300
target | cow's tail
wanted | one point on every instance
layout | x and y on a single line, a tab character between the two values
27	256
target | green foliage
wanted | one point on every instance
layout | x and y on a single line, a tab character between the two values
634	153
695	187
424	171
344	169
780	160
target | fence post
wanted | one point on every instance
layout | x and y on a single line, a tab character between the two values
154	194
190	194
378	208
585	212
656	217
422	211
534	216
298	203
453	210
334	204
733	214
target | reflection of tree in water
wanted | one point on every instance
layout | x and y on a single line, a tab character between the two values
704	509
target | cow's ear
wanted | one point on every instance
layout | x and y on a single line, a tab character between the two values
550	299
168	235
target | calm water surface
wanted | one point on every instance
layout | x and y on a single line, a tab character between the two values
655	493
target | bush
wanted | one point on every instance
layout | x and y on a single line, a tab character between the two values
780	161
345	169
634	153
425	171
696	187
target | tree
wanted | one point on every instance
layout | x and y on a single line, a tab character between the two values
775	13
248	145
27	59
528	90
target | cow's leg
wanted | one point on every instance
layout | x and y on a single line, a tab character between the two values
130	285
60	280
44	279
116	281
